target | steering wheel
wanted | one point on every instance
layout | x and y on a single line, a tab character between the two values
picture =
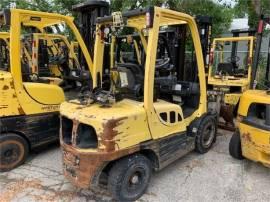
163	64
233	59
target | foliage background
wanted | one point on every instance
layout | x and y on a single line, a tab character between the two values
221	12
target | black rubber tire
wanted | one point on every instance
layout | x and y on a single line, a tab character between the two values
14	150
208	123
120	175
235	148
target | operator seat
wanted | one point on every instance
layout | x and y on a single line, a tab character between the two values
225	68
134	76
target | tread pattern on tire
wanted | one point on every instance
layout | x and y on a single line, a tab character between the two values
116	174
198	141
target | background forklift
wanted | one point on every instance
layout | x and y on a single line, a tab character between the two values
32	105
230	72
251	139
151	115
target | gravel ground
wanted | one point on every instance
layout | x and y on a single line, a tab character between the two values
214	176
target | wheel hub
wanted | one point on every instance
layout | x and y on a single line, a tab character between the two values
208	135
134	179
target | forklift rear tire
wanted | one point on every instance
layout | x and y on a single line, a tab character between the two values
235	148
129	177
14	151
207	133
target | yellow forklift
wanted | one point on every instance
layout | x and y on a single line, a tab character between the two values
50	55
29	109
152	113
251	139
229	73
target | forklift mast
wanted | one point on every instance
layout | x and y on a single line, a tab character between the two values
267	75
237	33
87	15
263	21
204	24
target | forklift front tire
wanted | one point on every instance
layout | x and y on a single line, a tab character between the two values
13	151
129	177
235	146
207	133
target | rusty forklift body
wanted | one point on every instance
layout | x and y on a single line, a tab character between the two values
149	117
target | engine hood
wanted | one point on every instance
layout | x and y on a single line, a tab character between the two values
125	108
122	125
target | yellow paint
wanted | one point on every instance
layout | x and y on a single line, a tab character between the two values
251	96
24	98
232	98
143	118
4	36
134	123
44	93
255	142
231	80
9	103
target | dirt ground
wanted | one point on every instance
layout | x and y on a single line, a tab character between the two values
214	176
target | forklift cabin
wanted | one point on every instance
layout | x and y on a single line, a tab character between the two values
32	104
146	119
229	75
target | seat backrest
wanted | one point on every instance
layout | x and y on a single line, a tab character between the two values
225	68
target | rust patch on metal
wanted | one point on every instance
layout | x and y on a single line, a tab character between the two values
5	87
12	85
87	169
246	137
109	133
90	116
74	132
20	110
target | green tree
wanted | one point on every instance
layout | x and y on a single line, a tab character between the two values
253	9
58	6
222	14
